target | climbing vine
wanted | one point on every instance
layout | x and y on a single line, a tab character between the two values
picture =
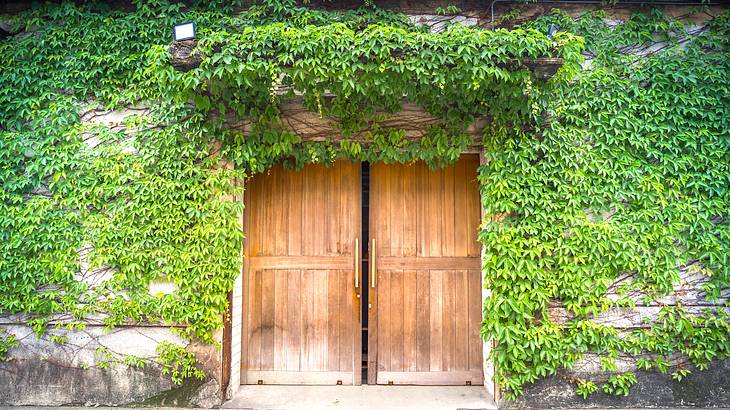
93	214
643	141
7	342
622	191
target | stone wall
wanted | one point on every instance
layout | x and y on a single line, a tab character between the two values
87	367
708	388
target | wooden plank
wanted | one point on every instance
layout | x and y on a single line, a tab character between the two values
461	320
268	302
302	262
347	323
334	310
295	207
293	337
254	343
438	263
347	199
423	321
422	210
448	321
410	211
447	210
319	213
384	324
301	378
462	234
473	214
308	207
435	217
452	378
319	348
329	208
254	234
410	288
266	217
394	244
396	321
436	311
353	341
386	204
374	299
280	213
309	357
474	282
281	326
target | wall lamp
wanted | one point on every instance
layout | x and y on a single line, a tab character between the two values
184	31
552	30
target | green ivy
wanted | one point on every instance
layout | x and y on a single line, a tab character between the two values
625	184
641	141
150	201
177	362
159	214
353	73
7	342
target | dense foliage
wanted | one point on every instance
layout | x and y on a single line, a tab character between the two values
147	207
643	140
150	202
357	73
625	186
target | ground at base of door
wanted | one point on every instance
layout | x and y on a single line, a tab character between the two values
361	397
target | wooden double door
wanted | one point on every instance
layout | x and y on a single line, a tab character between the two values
304	280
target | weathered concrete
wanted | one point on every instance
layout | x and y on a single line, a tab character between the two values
710	388
249	408
438	23
361	397
41	382
87	367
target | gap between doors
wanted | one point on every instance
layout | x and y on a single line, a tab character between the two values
365	266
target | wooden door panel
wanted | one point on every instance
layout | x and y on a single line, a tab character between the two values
426	306
301	323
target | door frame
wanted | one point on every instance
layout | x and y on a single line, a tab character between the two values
231	358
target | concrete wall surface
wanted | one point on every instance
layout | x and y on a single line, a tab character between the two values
87	367
709	388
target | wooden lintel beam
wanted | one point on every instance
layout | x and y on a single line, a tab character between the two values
185	57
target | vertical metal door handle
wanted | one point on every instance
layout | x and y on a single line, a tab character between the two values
372	264
357	263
